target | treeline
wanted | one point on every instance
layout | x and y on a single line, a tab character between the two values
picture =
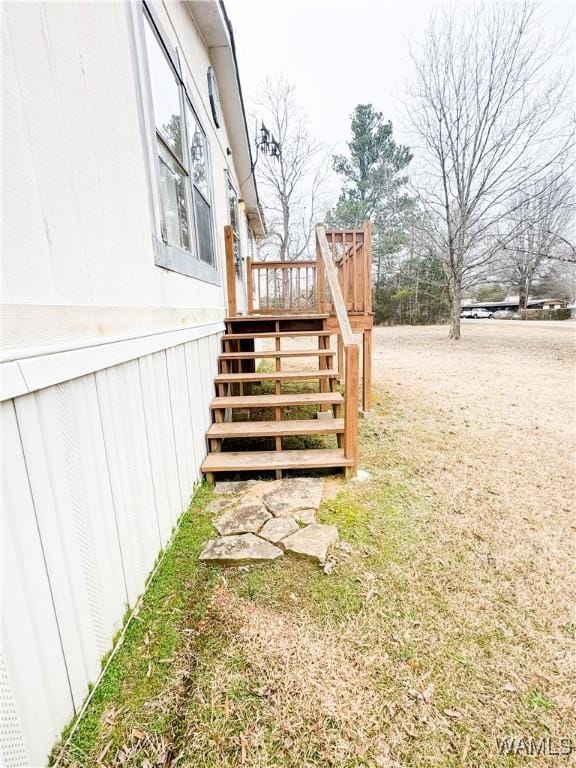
411	283
488	199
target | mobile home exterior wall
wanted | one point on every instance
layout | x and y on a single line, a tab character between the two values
107	358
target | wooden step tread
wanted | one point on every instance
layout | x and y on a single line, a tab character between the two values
274	334
278	401
273	317
277	353
276	428
327	373
246	461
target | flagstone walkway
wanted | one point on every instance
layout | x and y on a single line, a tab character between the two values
259	521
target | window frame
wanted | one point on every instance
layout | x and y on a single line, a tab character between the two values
168	255
209	198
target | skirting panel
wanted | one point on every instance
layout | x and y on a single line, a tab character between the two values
96	472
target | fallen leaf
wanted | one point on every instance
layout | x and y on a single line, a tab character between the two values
428	692
150	670
465	749
138	734
103	752
109	716
509	687
453	713
328	567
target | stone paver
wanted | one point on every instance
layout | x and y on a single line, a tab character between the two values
361	476
237	550
294	494
219	505
313	541
245	517
233	486
305	516
255	516
278	528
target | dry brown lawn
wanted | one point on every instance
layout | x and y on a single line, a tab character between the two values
450	625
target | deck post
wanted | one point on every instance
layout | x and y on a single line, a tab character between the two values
367	247
230	271
249	286
367	370
351	407
320	280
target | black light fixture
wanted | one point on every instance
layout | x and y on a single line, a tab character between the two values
274	148
263	139
266	143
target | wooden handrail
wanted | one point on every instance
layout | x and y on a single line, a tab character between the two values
230	270
332	276
249	285
282	264
351	350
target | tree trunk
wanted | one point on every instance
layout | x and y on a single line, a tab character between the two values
528	286
522	293
455	310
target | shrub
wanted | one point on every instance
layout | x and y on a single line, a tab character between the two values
545	314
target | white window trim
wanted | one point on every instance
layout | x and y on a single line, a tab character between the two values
167	255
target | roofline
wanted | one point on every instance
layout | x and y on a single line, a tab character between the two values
237	71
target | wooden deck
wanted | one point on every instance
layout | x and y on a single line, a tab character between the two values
312	301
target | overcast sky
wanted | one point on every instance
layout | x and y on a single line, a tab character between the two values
339	53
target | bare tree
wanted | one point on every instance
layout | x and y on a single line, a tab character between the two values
489	106
291	184
533	236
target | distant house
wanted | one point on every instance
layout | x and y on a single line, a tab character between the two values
554	304
126	153
512	304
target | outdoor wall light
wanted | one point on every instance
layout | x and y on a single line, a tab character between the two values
266	143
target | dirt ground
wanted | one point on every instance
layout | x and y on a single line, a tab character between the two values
502	402
448	628
500	459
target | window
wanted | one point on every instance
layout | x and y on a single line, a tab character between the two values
200	186
235	224
184	174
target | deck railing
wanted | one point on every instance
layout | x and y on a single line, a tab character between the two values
286	287
351	351
300	286
275	286
351	253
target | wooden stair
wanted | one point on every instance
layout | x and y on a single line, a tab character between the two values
311	301
278	401
288	428
250	461
274	413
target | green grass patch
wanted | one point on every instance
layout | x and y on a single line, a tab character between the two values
175	598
